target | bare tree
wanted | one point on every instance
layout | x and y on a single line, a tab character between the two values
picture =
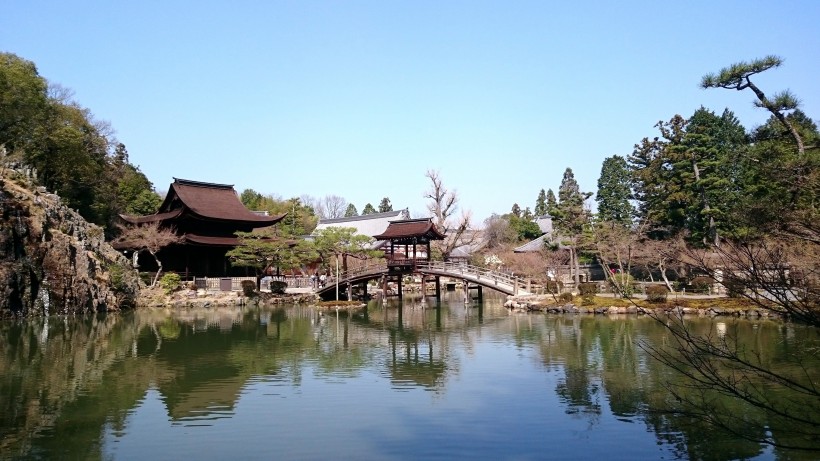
779	276
148	237
443	206
330	207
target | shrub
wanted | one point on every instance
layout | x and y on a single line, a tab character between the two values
146	278
566	297
701	284
553	287
623	284
249	288
588	291
278	287
656	294
169	282
734	287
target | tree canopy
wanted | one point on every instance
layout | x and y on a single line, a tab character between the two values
75	156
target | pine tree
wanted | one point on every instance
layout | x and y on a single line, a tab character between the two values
571	217
351	211
385	205
552	202
614	192
541	204
368	209
516	210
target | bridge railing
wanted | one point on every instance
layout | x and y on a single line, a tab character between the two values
449	269
456	269
372	267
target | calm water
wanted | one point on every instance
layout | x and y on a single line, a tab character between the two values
414	382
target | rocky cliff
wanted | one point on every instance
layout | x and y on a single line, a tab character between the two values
51	259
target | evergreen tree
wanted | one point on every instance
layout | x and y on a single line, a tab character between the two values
571	217
385	205
516	210
541	204
614	192
552	202
351	211
368	209
708	161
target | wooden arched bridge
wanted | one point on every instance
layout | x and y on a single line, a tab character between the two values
499	281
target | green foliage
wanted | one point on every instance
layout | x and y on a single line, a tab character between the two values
263	248
588	292
623	284
553	286
146	278
385	205
341	242
566	297
169	282
524	229
516	210
249	288
552	202
118	280
735	288
74	155
614	192
351	211
278	287
570	215
541	204
701	284
368	209
656	294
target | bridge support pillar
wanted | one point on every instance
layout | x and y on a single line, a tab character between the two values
438	288
399	286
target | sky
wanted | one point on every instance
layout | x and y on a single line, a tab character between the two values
361	98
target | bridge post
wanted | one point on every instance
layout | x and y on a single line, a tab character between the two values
466	286
438	288
399	287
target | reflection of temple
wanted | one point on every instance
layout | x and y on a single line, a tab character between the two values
206	216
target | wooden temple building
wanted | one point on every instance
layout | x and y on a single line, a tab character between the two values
206	216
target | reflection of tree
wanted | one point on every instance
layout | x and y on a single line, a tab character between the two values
83	377
600	355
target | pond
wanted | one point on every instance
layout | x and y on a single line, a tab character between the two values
406	380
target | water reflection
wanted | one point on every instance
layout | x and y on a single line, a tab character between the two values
79	387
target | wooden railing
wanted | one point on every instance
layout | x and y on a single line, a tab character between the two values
483	276
501	281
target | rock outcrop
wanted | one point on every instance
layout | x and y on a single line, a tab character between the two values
51	259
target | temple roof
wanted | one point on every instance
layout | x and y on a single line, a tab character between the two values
205	201
409	228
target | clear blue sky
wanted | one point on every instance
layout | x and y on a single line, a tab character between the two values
360	98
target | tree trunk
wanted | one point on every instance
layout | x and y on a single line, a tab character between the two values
662	268
159	268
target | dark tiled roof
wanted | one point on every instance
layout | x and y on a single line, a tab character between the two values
151	217
211	241
411	228
211	201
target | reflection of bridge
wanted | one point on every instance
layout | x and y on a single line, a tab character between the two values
395	269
